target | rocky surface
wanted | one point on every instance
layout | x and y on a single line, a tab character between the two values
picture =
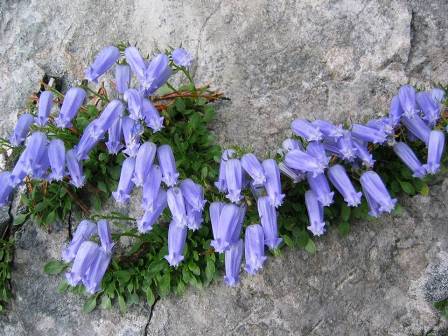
277	60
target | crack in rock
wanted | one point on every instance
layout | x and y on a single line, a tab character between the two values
150	316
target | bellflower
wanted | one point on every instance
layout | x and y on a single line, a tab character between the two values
143	162
113	110
306	130
176	243
438	95
21	129
321	188
35	147
233	258
125	185
56	156
193	194
295	175
296	159
72	102
42	166
221	184
103	62
135	103
115	135
225	225
167	165
417	127
44	108
384	125
234	180
395	111
253	167
74	169
340	180
377	196
95	273
328	129
368	134
105	236
315	213
317	150
136	62
176	203
131	134
151	188
346	149
83	232
18	173
122	77
182	57
407	155
156	74
406	95
254	248
90	137
268	219
236	235
290	144
5	187
151	116
429	107
436	146
362	153
152	214
273	185
228	154
84	258
194	218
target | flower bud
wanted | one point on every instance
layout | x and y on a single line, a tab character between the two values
167	165
233	258
125	185
177	237
73	100
103	62
44	108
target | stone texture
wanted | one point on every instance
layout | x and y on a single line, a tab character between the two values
277	60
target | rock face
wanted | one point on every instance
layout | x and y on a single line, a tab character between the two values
276	60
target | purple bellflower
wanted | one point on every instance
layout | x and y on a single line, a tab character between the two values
5	187
253	167
438	95
273	184
407	155
110	114
328	129
83	232
167	164
315	214
95	273
115	135
176	203
306	130
135	103
176	244
233	258
429	107
321	188
136	62
295	175
340	180
215	213
85	256
156	74
44	108
383	125
103	62
122	77
291	144
182	57
317	150
125	185
436	146
417	127
56	156
90	137
193	194
368	134
132	130
151	188
268	219
151	215
234	180
225	222
194	218
143	162
151	116
378	198
35	148
21	129
363	154
72	102
395	111
74	168
296	159
105	236
406	95
18	173
254	248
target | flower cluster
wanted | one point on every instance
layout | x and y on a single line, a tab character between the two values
327	143
263	178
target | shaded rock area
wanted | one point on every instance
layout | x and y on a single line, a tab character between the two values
276	60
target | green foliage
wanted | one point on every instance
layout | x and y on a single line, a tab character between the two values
442	307
6	254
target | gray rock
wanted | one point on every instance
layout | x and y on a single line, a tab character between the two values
277	60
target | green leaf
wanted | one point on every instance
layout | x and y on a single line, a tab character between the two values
210	269
89	305
106	302
424	191
150	298
122	304
165	285
20	219
310	247
194	268
51	218
63	286
344	228
407	187
54	267
345	213
102	186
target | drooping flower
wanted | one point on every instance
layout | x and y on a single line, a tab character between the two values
21	130
176	243
115	135
291	144
56	156
90	137
378	198
152	214
182	57
193	194
95	273
407	155
167	165
35	147
215	212
317	150
221	184
225	225
306	130
151	116
273	185
83	232
18	173
5	187
135	103
295	175
44	108
132	130
345	147
74	169
321	188
368	134
105	236
136	62
429	107
383	125
328	129
234	180
122	77
143	162
177	207
406	95
113	111
233	258
436	146
417	127
40	171
85	256
395	111
253	167
438	95
236	235
296	159
151	188
125	185
254	248
362	153
156	74
315	213
103	62
194	218
72	102
268	219
340	180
